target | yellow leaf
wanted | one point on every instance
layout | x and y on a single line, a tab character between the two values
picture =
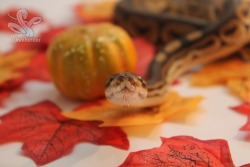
240	87
9	64
175	105
7	75
220	73
90	11
113	115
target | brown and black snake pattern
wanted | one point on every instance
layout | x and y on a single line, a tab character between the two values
190	37
161	21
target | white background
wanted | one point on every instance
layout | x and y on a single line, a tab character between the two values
214	119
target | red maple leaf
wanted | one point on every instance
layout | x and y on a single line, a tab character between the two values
247	165
145	52
47	135
47	36
29	46
7	87
246	127
175	82
37	69
183	151
244	109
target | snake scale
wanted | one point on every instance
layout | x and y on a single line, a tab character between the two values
189	32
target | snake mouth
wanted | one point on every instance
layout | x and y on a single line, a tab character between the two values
126	96
126	89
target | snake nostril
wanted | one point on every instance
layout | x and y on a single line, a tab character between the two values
120	79
130	79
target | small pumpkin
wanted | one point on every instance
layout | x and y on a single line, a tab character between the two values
82	58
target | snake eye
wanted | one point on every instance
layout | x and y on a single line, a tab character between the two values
123	74
110	79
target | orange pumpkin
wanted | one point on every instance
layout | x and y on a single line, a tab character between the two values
82	58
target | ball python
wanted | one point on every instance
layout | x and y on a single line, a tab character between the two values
212	40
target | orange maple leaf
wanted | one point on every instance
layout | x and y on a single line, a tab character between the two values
113	115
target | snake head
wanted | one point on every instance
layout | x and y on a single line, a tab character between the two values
125	89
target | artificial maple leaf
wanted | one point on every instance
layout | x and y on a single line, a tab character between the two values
8	86
20	66
145	52
246	127
113	115
244	109
38	46
235	75
47	135
37	68
183	151
221	72
3	95
47	36
240	87
92	12
11	62
9	66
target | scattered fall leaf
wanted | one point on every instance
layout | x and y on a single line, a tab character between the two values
47	36
176	82
145	52
240	87
8	86
244	109
47	135
11	63
3	95
15	60
246	127
38	46
37	68
221	72
234	74
183	151
113	115
92	12
20	66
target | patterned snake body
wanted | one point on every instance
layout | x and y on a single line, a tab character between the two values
227	35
